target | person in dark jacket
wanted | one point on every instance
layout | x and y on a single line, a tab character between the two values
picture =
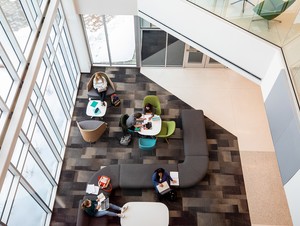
134	121
149	110
92	208
159	176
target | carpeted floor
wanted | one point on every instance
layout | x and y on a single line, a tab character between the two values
218	200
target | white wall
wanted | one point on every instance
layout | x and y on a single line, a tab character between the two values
276	65
106	7
220	37
77	35
292	189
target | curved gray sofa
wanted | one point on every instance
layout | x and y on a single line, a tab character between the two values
191	170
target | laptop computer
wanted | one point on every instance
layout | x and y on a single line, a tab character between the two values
104	205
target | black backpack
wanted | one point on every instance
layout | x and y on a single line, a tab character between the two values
115	100
172	195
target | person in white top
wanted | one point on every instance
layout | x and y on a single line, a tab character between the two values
100	85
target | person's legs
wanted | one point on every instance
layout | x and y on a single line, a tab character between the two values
99	93
103	95
106	212
114	207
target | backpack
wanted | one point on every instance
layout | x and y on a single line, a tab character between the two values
125	140
115	100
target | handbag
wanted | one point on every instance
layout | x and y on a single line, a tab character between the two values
103	181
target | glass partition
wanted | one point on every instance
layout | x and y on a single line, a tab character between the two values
276	21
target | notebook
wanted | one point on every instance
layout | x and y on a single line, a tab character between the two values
174	176
155	118
92	189
94	104
165	189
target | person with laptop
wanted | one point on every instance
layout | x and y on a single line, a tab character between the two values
134	121
95	208
161	182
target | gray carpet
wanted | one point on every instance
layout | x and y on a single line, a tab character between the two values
218	200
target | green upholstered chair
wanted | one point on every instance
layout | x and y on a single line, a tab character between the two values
167	129
270	9
154	101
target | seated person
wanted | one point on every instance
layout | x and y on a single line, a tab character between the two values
149	110
134	121
159	176
100	85
92	208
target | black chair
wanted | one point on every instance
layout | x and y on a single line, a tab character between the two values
122	123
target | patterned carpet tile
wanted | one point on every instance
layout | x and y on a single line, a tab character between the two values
218	200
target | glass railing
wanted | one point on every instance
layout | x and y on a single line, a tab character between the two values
277	21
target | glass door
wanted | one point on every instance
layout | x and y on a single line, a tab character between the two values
193	57
210	62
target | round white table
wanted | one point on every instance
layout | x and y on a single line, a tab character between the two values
146	214
156	125
93	105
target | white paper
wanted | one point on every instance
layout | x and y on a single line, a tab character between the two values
101	197
163	189
92	189
174	176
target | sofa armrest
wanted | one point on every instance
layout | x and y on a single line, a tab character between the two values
192	170
109	82
194	134
89	85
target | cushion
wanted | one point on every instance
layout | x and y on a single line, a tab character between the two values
192	170
139	175
90	124
112	171
194	134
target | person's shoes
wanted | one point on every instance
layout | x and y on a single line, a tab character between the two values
121	215
124	208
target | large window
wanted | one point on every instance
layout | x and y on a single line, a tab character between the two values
18	22
106	46
22	209
29	189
